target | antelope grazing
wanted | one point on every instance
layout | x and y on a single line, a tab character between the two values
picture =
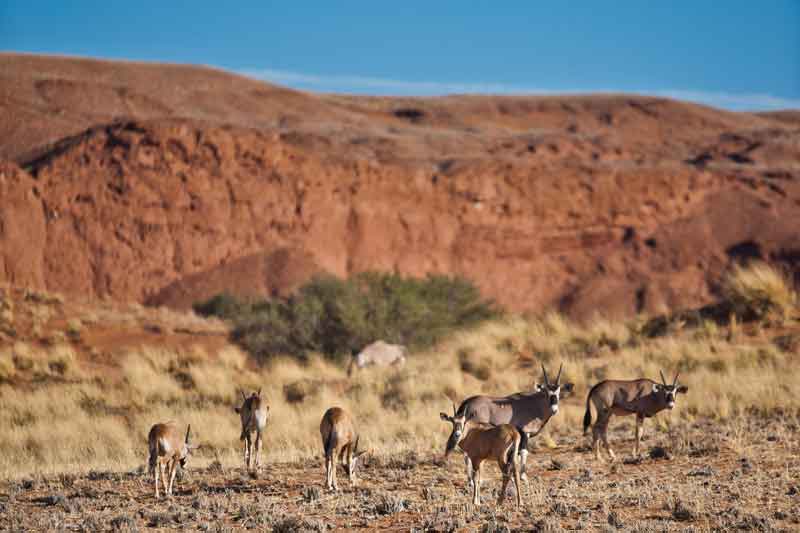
520	410
482	441
378	353
253	413
339	435
641	397
167	447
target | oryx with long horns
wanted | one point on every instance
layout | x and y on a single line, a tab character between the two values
522	410
641	397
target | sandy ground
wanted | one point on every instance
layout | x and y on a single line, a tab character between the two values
742	475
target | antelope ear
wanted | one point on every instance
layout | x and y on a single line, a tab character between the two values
237	409
656	387
567	388
445	417
538	387
683	389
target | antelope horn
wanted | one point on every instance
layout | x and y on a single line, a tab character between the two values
244	396
558	378
454	410
663	381
546	381
259	392
675	381
188	430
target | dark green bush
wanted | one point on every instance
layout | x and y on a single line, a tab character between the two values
223	305
338	317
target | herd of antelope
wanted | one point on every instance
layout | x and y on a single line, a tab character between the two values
484	427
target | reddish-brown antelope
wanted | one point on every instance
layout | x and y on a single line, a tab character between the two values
480	442
167	448
253	413
339	436
521	410
641	397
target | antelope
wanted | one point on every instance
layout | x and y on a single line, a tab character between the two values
167	448
253	413
339	435
520	410
378	353
482	441
643	397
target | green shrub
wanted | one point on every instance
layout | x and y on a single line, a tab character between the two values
338	317
223	305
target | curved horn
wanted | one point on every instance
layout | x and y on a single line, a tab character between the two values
188	430
454	409
663	381
546	381
558	379
675	381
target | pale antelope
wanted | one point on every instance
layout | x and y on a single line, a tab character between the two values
483	441
521	410
378	353
641	397
167	447
253	413
339	436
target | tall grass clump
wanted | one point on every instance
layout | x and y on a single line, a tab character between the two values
758	291
337	317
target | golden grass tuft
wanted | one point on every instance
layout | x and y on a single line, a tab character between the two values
759	290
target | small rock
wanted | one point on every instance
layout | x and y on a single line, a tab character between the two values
704	471
614	520
658	452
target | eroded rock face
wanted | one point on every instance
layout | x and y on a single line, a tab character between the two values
586	204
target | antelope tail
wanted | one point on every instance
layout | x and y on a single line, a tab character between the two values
587	418
329	443
152	460
512	452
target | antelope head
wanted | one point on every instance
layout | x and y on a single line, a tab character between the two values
187	447
458	421
554	390
669	392
350	466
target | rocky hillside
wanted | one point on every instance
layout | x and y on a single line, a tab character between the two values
165	184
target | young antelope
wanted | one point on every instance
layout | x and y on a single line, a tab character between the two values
501	443
167	448
339	436
253	413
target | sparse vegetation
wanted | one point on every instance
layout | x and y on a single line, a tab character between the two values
100	415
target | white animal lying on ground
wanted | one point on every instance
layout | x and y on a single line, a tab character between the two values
378	353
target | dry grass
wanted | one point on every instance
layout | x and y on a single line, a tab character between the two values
739	474
102	423
760	290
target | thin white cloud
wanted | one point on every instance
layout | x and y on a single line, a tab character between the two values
371	85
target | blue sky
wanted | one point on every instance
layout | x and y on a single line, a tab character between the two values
733	54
